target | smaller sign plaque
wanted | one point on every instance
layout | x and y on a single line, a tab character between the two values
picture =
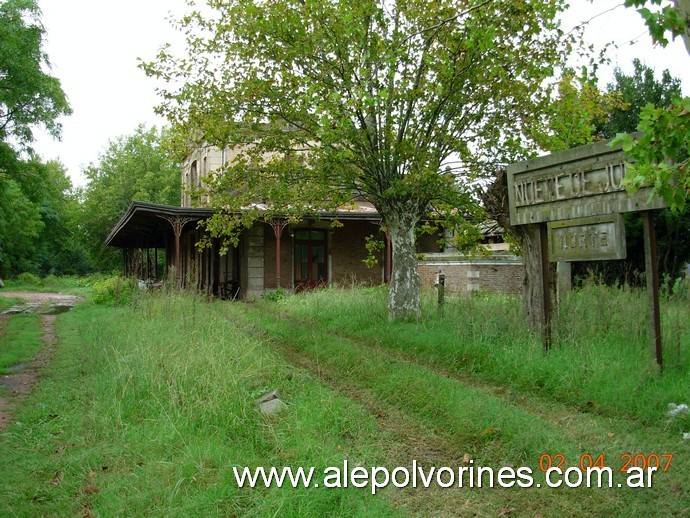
597	238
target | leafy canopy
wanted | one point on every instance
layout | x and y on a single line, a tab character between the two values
662	154
664	17
133	167
331	100
637	91
573	118
28	95
38	233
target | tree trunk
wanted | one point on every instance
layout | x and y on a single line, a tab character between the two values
403	300
684	7
528	238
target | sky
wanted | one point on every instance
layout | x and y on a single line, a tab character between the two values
94	48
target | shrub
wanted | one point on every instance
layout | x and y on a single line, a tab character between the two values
276	295
114	291
29	278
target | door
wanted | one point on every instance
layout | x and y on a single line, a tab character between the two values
311	259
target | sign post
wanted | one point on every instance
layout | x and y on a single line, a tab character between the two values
652	278
577	197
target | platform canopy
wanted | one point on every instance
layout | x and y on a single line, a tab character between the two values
147	225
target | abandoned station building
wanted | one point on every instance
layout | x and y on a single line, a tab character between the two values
275	254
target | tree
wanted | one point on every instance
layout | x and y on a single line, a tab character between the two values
36	221
576	114
569	120
134	167
28	95
20	226
335	100
59	250
638	91
661	156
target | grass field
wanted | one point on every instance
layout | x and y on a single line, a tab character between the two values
20	340
145	409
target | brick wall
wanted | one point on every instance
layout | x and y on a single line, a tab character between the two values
348	250
463	275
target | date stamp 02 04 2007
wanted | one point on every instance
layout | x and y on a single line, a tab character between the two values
661	461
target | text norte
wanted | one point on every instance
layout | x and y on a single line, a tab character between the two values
567	185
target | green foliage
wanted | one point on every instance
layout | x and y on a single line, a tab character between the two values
637	91
662	153
29	278
114	291
28	95
374	246
348	100
133	167
671	18
276	295
572	119
20	227
38	227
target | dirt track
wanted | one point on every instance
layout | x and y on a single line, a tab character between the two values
19	383
32	296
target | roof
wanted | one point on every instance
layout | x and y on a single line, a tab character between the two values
144	225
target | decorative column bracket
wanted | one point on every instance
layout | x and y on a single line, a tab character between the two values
177	223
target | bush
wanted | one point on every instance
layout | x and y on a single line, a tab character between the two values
29	278
52	281
114	291
276	295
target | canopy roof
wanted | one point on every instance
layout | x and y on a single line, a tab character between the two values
148	225
144	225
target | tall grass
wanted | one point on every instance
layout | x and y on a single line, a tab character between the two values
146	411
600	361
409	366
20	339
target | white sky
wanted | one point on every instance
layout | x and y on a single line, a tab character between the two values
93	47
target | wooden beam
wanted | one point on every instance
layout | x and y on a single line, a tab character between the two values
546	286
652	278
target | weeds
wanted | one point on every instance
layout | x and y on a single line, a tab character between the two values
600	361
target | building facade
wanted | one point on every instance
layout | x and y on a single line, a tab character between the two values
162	240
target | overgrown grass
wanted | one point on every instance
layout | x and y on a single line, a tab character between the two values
20	339
52	283
600	361
146	412
495	425
146	408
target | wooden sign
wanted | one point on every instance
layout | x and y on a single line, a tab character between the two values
577	183
598	238
585	182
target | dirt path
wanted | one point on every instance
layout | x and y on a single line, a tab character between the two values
17	385
33	296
